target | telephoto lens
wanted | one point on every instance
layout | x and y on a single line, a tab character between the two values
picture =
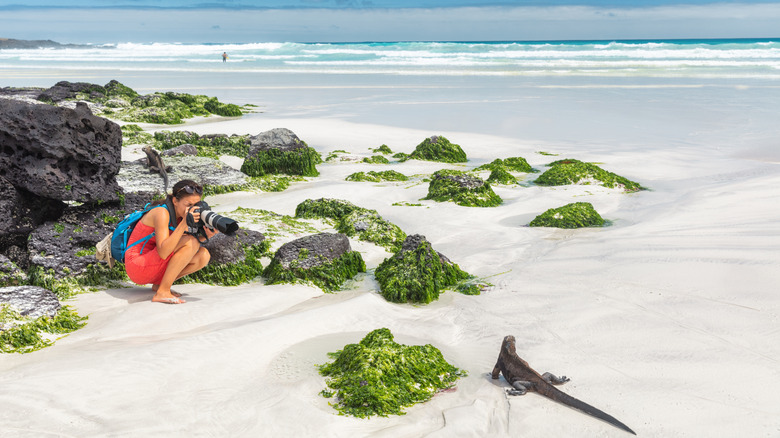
222	223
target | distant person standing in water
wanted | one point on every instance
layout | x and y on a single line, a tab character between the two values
224	56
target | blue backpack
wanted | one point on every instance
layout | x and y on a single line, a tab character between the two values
125	228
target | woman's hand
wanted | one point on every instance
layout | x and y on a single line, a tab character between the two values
195	214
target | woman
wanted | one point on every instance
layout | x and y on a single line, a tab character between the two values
170	254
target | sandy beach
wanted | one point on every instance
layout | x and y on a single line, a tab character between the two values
667	319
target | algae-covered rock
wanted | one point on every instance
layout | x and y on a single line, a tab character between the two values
212	146
372	176
569	171
376	159
576	215
381	377
438	148
515	164
280	151
462	189
10	273
234	259
384	149
417	273
499	175
352	220
324	259
29	316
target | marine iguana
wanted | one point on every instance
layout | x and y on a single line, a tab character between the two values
523	378
155	163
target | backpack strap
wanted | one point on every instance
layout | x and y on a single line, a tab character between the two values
148	207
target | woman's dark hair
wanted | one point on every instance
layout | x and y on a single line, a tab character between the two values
181	189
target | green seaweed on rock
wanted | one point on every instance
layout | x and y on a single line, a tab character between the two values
575	215
570	171
515	164
352	220
329	276
380	377
384	149
417	275
438	148
499	175
232	274
301	161
376	159
27	334
95	274
461	188
373	176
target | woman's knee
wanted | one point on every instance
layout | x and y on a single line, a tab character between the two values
202	257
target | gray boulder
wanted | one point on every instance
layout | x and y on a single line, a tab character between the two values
134	176
230	249
185	149
277	138
31	301
59	153
24	211
319	249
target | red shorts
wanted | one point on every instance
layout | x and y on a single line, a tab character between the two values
144	267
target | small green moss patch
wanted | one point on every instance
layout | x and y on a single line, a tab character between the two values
576	215
381	377
515	164
384	149
372	176
376	159
499	175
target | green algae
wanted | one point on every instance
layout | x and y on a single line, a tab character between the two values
384	149
499	175
232	274
376	159
418	275
446	186
352	220
300	161
401	156
438	148
570	171
274	225
208	146
575	215
27	334
372	176
134	134
515	164
267	183
64	287
379	376
328	276
335	154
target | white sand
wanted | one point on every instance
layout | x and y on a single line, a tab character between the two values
667	320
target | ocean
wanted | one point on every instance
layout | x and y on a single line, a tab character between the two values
754	58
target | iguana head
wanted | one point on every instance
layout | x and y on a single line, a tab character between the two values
509	344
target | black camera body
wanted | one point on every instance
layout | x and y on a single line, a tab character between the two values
209	219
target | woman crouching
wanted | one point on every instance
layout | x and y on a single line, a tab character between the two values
170	253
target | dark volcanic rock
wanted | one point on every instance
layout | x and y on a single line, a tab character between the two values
411	243
32	301
10	274
59	153
67	245
65	90
468	182
24	211
185	149
321	248
230	249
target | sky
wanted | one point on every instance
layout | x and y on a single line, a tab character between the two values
238	21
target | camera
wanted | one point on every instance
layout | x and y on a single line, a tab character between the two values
209	219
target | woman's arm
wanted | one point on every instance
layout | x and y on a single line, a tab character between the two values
167	240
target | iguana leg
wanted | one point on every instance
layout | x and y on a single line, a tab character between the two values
554	380
154	169
168	168
496	371
521	387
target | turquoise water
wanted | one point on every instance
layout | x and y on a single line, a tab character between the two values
722	58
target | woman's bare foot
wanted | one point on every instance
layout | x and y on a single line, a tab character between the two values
168	300
155	287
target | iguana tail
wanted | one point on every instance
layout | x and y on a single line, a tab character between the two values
165	178
554	394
